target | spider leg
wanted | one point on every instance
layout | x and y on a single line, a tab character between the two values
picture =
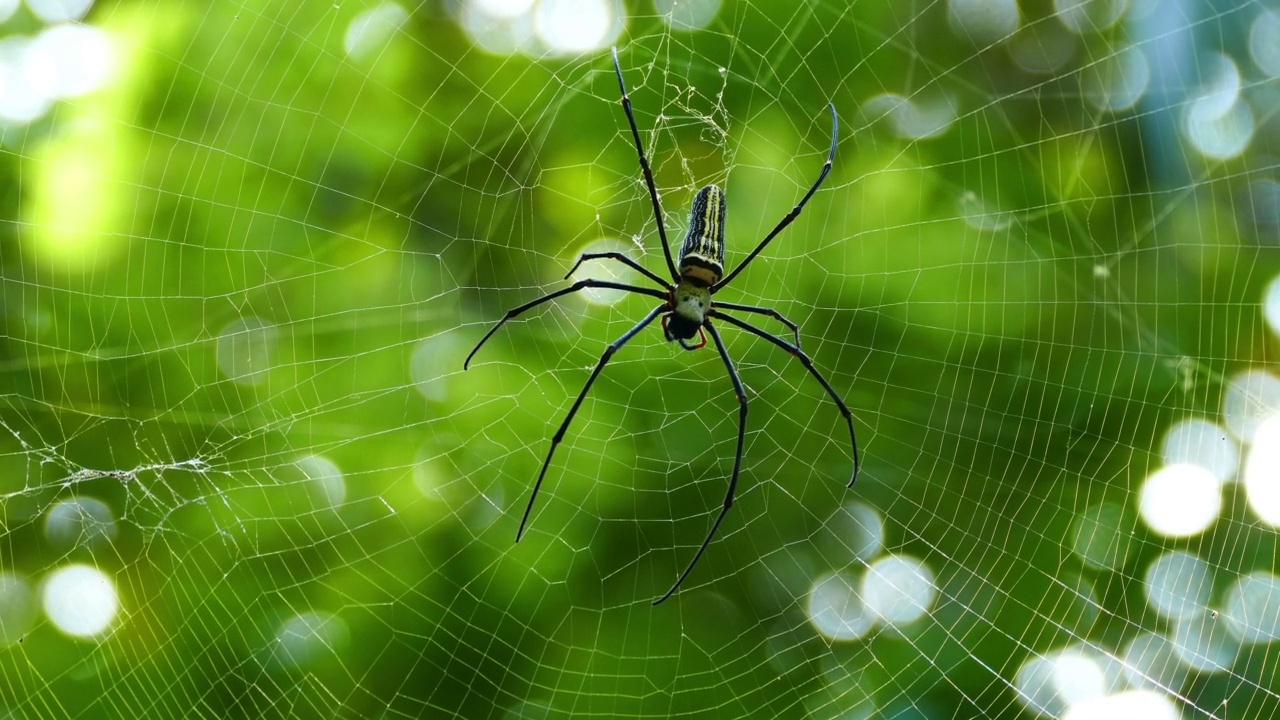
555	440
737	459
644	165
808	364
622	259
588	283
795	212
761	311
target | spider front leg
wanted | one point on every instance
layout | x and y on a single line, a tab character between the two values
644	167
737	459
588	283
555	440
622	259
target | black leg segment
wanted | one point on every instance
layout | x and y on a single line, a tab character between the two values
795	329
644	165
555	440
808	364
588	283
737	459
622	259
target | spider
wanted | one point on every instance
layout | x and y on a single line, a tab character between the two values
687	309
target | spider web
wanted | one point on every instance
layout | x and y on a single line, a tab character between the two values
248	246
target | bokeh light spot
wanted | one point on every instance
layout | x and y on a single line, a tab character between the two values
22	87
910	118
504	8
1089	16
370	31
1042	48
1251	397
74	59
1252	608
309	638
1218	122
1151	661
573	26
1219	136
836	610
1036	688
1262	212
246	350
854	532
1264	42
1271	305
434	360
1203	443
1049	684
1128	705
1077	677
57	11
80	522
1204	643
899	589
1262	472
327	478
687	14
1178	584
1117	83
983	22
80	600
502	31
1180	500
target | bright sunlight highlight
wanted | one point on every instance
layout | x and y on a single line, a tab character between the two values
1262	472
574	25
538	27
1180	500
80	600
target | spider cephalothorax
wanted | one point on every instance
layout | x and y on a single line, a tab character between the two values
687	308
690	303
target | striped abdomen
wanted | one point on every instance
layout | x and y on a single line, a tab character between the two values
702	255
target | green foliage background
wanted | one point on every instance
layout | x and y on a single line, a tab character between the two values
376	214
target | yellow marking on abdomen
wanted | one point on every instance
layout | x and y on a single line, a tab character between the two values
702	255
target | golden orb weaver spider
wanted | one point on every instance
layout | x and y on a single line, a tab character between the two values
688	309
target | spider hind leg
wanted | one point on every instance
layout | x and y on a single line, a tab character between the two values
732	490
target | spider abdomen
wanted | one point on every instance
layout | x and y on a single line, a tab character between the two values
702	255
